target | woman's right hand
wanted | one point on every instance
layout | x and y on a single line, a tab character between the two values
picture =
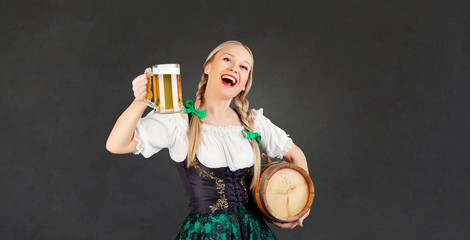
291	225
140	86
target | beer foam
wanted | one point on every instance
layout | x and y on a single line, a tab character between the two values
166	69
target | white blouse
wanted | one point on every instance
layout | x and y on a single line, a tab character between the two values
220	146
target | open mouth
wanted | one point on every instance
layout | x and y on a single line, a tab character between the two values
229	80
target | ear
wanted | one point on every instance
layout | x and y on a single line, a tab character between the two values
207	69
244	86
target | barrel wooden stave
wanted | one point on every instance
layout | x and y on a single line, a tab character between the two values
264	200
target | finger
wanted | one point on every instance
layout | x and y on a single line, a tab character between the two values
139	82
142	96
289	225
140	85
306	214
301	220
141	90
294	225
137	87
278	224
147	70
142	78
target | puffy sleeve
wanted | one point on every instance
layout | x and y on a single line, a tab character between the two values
157	131
275	142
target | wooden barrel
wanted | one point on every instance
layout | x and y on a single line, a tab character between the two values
285	191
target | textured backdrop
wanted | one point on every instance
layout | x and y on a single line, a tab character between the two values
376	93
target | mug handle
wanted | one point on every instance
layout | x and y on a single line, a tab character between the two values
148	98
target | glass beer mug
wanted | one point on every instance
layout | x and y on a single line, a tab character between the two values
166	82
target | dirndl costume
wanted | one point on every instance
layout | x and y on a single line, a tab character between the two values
215	182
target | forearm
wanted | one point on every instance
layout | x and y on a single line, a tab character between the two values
296	156
120	139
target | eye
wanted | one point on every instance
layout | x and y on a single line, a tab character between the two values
244	67
226	59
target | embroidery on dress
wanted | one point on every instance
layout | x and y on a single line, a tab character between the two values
242	182
222	201
194	164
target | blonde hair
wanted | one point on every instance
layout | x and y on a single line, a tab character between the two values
246	115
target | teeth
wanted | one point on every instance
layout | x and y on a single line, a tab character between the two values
230	78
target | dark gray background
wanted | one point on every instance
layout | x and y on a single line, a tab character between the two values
375	92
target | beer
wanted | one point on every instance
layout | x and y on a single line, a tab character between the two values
148	97
166	88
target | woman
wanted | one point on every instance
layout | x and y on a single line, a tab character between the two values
214	146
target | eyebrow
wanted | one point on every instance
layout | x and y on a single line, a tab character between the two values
242	60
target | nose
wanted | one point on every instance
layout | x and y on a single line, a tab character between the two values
231	68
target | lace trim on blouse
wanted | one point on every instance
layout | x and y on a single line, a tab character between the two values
139	146
222	130
286	148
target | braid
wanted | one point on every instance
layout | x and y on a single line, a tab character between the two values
201	90
194	131
247	118
243	109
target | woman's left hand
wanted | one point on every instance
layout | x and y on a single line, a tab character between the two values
292	224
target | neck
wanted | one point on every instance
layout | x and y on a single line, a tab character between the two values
215	107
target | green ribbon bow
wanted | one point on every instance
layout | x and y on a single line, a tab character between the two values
190	109
255	135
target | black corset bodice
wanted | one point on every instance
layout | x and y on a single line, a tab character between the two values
213	190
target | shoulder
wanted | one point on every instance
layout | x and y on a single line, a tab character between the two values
184	116
258	114
261	122
259	119
169	119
